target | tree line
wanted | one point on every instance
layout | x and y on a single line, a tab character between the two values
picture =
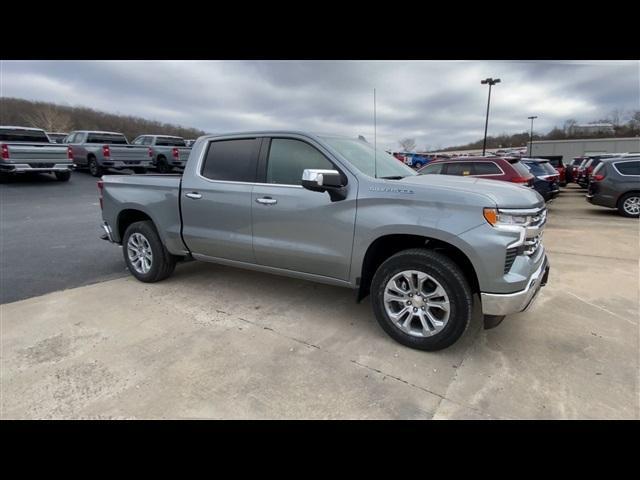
60	118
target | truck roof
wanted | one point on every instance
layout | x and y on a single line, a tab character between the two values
278	132
98	131
22	128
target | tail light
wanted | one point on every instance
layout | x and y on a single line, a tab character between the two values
150	152
176	153
520	180
105	151
598	177
70	153
5	152
100	189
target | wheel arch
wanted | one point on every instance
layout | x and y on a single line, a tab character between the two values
387	245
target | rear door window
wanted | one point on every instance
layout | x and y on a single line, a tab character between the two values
628	168
459	168
232	160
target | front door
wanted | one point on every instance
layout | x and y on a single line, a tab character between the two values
216	200
297	229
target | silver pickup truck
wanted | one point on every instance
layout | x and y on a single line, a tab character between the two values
25	149
99	151
334	210
167	153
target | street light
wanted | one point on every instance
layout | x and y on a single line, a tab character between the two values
531	136
491	82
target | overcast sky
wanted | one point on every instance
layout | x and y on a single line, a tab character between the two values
436	102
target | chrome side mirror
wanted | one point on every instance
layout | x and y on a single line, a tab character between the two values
324	181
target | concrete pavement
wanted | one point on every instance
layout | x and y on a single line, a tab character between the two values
218	342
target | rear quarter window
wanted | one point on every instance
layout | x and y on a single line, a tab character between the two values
520	169
486	168
628	168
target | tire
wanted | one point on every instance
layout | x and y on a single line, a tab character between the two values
162	166
160	263
63	176
440	271
140	170
629	205
94	169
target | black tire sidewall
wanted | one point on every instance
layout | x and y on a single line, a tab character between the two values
93	161
448	275
158	252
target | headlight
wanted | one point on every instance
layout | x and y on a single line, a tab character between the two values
500	219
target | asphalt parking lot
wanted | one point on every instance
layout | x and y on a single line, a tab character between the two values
218	342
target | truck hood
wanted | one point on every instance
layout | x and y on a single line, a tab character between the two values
503	194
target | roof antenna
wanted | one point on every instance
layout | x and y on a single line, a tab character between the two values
375	142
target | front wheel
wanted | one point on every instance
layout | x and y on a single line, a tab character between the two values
146	257
422	299
63	176
629	205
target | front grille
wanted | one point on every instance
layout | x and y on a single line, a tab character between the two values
509	258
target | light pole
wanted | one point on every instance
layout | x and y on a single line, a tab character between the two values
491	82
531	136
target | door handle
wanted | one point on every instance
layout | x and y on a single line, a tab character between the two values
267	201
194	195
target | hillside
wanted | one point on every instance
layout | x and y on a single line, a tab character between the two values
59	118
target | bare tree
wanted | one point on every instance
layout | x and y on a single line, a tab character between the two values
408	144
568	125
50	119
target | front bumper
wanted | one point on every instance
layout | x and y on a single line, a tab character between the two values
508	303
25	167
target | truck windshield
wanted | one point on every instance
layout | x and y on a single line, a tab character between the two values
170	142
20	135
112	138
361	155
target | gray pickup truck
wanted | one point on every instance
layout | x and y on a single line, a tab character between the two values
25	149
99	151
334	210
167	153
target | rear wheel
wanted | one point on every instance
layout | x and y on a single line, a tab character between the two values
421	299
95	169
162	165
146	257
629	205
63	176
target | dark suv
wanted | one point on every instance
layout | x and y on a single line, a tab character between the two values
546	180
492	168
615	183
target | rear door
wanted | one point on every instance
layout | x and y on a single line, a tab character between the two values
294	228
216	201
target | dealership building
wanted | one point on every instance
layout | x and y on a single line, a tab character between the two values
572	148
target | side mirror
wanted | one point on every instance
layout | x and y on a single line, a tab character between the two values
324	181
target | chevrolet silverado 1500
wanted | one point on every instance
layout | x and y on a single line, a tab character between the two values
166	153
335	210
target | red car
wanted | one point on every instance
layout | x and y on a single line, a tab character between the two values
493	168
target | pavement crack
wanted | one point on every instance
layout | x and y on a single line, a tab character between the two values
602	308
264	327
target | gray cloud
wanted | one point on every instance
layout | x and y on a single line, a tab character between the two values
439	103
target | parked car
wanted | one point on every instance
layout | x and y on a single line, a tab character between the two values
557	163
615	183
505	169
25	150
329	209
166	152
98	151
586	169
572	169
57	137
546	180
